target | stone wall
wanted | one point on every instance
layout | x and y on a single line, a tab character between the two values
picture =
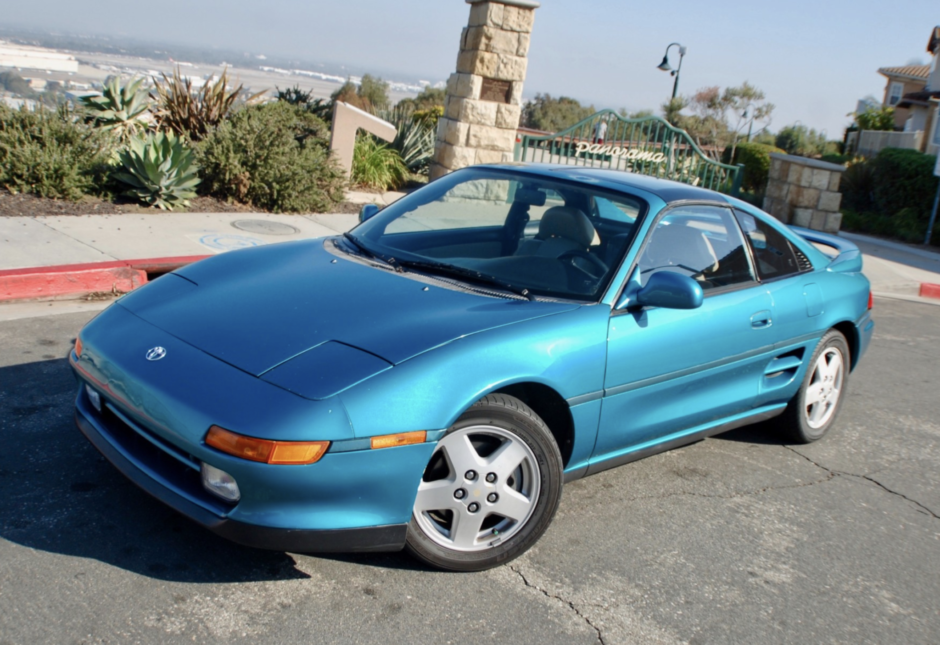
484	95
804	192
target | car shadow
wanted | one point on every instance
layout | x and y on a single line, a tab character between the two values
61	496
763	433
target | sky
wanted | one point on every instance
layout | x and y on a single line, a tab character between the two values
813	58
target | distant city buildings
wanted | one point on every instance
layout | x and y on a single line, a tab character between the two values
36	58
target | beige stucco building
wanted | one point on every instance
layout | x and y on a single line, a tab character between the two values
923	105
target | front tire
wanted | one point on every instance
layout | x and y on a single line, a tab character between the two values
814	409
490	490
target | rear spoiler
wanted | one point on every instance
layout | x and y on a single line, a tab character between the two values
845	255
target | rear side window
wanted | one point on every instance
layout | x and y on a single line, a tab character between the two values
773	253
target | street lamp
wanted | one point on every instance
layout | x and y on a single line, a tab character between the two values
673	72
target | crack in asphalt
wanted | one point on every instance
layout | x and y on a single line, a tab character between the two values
867	478
570	604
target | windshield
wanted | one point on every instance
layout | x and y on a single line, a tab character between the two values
524	233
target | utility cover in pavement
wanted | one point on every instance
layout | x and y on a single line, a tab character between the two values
265	227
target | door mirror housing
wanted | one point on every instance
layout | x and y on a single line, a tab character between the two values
670	291
367	211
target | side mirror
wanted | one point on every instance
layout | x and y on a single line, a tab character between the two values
367	211
670	291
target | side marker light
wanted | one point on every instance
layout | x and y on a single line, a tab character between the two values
400	439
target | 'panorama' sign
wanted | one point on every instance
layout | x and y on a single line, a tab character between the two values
633	154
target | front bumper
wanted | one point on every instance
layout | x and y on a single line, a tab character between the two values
390	537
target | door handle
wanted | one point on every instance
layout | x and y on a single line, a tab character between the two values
761	320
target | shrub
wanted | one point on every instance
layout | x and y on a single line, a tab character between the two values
118	109
273	156
193	113
890	195
904	179
756	160
839	159
50	153
857	186
414	138
160	170
375	165
322	108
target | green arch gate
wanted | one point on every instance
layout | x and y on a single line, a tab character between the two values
648	146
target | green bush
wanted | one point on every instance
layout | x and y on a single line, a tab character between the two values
273	156
890	195
904	179
51	153
375	165
159	170
756	160
836	158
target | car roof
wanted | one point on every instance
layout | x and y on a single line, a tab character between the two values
667	190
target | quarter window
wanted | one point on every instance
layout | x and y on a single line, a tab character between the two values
773	253
702	242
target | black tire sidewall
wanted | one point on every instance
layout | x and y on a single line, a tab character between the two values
800	429
526	425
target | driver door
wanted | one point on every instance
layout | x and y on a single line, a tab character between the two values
671	370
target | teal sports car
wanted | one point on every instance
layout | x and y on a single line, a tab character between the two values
431	379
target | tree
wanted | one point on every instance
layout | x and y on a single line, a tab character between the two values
427	99
672	110
15	84
797	139
880	118
639	114
370	94
374	91
552	115
749	105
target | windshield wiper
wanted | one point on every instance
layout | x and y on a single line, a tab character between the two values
372	254
451	269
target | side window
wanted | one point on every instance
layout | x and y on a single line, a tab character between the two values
702	242
773	254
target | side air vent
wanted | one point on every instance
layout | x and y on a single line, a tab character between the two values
801	260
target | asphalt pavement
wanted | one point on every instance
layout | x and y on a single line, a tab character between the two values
739	538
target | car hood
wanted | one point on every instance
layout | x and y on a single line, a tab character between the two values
259	307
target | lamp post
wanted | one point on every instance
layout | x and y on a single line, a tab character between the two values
673	72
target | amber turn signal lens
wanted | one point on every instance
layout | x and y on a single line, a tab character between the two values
78	348
264	450
400	439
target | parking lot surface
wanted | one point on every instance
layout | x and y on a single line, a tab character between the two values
738	538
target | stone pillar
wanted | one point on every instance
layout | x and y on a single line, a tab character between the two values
484	96
804	192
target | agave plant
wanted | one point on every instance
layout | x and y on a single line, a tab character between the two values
414	139
194	113
118	109
160	170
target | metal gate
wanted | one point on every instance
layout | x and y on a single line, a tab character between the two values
648	146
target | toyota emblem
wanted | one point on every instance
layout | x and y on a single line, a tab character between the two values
155	353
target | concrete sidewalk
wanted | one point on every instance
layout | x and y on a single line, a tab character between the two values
122	242
28	242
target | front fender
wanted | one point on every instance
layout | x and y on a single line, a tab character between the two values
566	352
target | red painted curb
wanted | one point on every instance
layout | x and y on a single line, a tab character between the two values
928	290
82	279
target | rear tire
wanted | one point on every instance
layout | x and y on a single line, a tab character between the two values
814	409
490	490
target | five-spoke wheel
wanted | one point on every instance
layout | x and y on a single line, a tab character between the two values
814	408
490	489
